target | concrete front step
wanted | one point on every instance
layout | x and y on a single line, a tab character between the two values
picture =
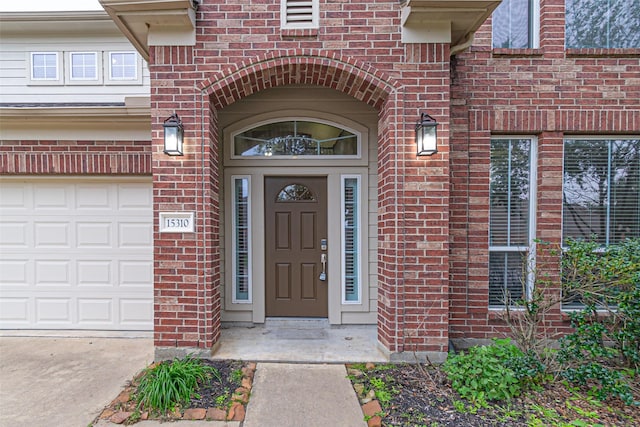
275	323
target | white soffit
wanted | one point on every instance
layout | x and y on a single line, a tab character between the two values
154	22
443	21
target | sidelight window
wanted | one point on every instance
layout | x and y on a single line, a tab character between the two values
241	240
351	238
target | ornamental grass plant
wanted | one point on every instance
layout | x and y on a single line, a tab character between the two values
171	384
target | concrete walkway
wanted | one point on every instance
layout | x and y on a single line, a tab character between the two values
293	395
67	381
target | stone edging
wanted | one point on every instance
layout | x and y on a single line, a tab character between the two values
115	414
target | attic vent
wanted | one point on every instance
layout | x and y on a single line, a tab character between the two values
299	14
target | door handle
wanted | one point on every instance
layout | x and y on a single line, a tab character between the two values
323	260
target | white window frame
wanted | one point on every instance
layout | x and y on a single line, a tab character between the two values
122	81
530	250
359	236
81	80
45	81
234	242
315	17
534	28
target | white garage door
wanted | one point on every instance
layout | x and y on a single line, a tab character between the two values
76	254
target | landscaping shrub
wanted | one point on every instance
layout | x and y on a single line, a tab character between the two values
603	352
483	372
169	384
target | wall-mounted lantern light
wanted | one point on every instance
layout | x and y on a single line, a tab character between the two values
426	135
173	135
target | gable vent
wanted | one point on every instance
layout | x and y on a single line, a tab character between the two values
299	14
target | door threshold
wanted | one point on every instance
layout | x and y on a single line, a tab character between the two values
296	323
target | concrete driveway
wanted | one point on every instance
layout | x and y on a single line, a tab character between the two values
64	381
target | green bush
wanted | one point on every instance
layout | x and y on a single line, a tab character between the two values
603	351
169	384
482	373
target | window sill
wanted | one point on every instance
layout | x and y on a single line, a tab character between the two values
516	52
595	52
292	33
499	313
565	312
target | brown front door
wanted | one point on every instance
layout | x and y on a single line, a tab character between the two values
296	223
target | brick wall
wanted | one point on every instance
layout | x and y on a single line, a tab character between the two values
75	157
548	93
241	50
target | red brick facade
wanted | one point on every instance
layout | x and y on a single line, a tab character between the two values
433	212
240	50
75	157
547	93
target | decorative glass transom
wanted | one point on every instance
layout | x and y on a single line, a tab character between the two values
295	193
295	138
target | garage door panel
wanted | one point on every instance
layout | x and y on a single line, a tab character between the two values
53	196
13	234
95	310
53	272
52	234
94	273
13	197
94	234
136	311
132	197
94	197
14	272
135	273
14	311
76	255
135	234
51	310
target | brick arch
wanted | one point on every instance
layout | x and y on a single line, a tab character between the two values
301	66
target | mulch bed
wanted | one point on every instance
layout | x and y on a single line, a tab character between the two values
218	400
418	396
421	396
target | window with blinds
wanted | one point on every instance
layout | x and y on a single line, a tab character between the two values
511	220
601	190
299	14
351	239
241	240
600	194
515	24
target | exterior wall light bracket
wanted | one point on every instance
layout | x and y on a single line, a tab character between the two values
173	135
426	135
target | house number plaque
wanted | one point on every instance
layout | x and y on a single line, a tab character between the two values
176	222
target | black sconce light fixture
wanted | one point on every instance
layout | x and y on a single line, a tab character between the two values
426	135
173	135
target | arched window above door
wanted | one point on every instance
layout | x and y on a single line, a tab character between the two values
296	139
295	193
